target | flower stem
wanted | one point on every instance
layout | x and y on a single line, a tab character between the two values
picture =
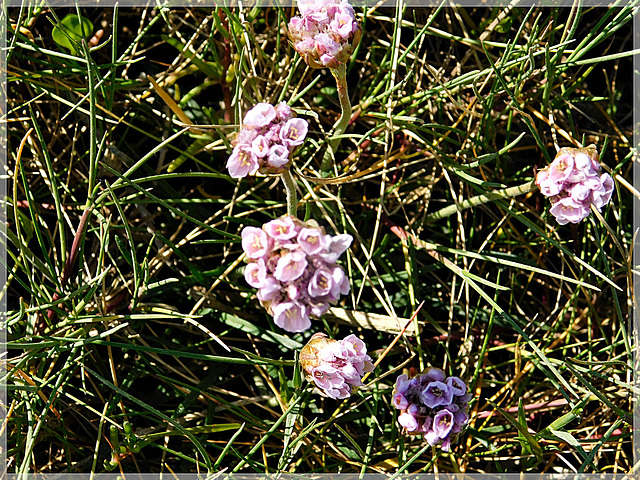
480	199
292	194
340	74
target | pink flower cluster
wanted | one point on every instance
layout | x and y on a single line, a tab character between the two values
433	405
573	183
326	33
268	137
293	266
335	366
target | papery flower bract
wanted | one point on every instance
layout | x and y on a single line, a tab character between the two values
335	367
295	264
433	405
573	183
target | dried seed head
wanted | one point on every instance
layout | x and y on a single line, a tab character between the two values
309	353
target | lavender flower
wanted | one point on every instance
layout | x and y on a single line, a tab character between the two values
433	405
335	367
268	137
573	183
326	33
436	393
293	266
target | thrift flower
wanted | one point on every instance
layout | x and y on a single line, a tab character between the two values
335	367
291	316
242	162
573	182
326	33
268	137
433	405
436	393
293	266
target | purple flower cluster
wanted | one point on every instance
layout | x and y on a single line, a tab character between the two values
268	137
293	266
433	405
573	183
335	366
326	32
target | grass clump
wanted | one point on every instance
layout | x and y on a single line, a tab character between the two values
134	343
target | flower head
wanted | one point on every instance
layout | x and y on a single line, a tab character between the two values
326	33
268	137
291	263
335	367
573	182
433	405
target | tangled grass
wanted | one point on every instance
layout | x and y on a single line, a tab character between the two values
134	343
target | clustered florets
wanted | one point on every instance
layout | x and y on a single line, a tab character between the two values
268	137
573	183
433	405
335	367
326	32
293	266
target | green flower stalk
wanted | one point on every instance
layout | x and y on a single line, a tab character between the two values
325	35
340	74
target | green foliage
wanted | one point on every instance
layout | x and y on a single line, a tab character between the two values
134	343
70	31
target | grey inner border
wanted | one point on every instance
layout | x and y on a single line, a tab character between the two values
635	314
634	324
321	476
292	3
